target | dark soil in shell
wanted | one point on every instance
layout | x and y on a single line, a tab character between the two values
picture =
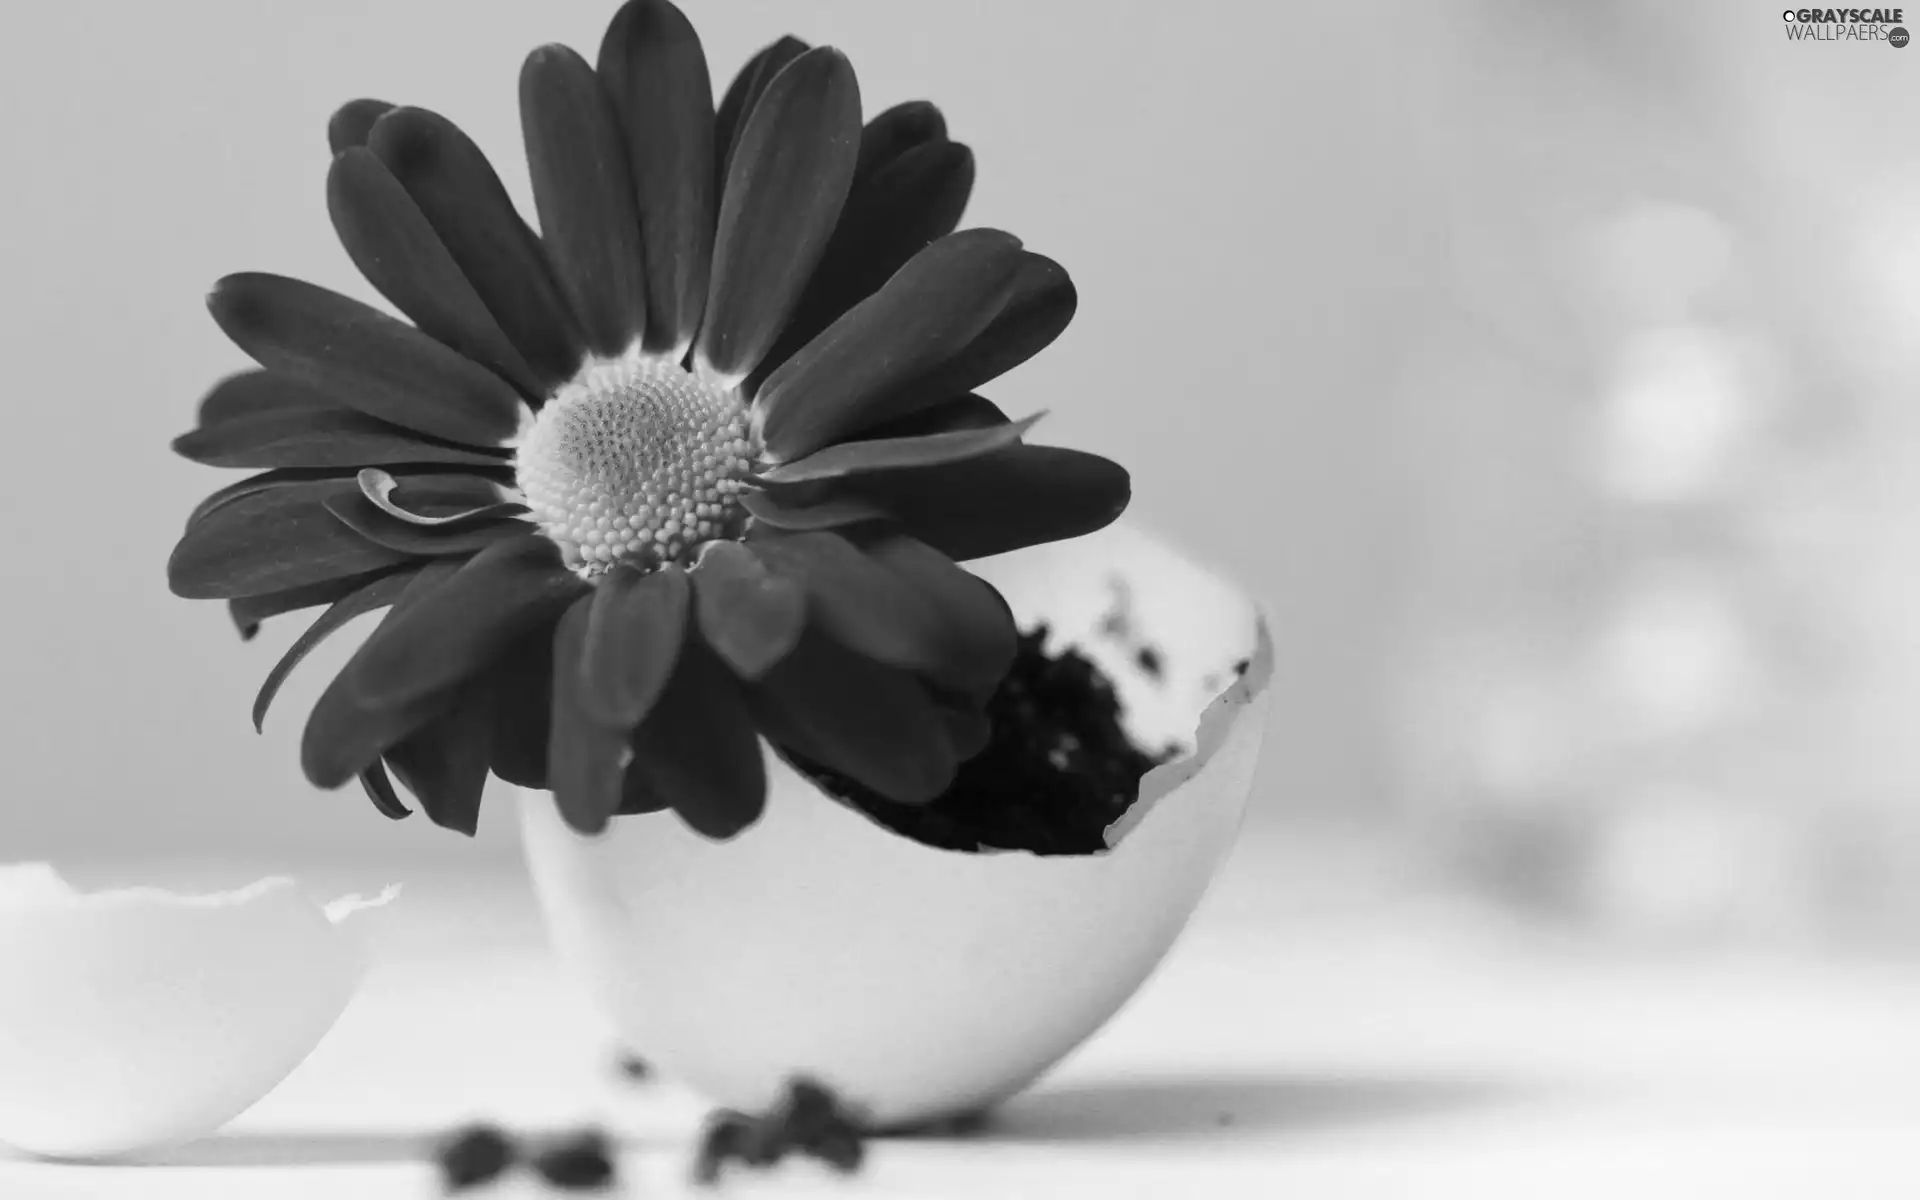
1057	770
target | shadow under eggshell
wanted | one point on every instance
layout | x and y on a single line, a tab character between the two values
135	1020
920	983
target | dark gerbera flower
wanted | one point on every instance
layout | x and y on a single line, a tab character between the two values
691	465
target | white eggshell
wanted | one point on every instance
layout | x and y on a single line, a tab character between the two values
920	983
135	1020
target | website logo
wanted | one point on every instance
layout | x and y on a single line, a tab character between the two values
1846	25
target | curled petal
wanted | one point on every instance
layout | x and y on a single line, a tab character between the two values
378	486
445	514
358	514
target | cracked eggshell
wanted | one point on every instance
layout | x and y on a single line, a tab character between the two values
922	983
135	1020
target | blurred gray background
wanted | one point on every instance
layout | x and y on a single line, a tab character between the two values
1542	366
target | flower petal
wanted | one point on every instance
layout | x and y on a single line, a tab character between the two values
785	186
1041	306
316	437
444	762
351	122
890	216
252	485
970	411
254	393
749	615
654	69
431	495
858	602
896	131
698	748
860	719
613	657
272	539
342	737
471	497
376	594
1021	496
522	680
635	627
392	243
360	514
379	789
969	729
743	94
980	632
436	515
503	592
860	370
584	192
638	796
249	611
587	757
458	191
792	516
899	453
383	367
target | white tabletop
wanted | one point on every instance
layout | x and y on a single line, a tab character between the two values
1302	1042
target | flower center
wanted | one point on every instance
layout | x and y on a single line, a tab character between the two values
635	460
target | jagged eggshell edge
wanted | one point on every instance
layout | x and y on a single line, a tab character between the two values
136	1019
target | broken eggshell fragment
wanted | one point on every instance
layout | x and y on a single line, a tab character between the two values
137	1019
919	983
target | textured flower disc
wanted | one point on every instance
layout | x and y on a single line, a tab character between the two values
635	460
